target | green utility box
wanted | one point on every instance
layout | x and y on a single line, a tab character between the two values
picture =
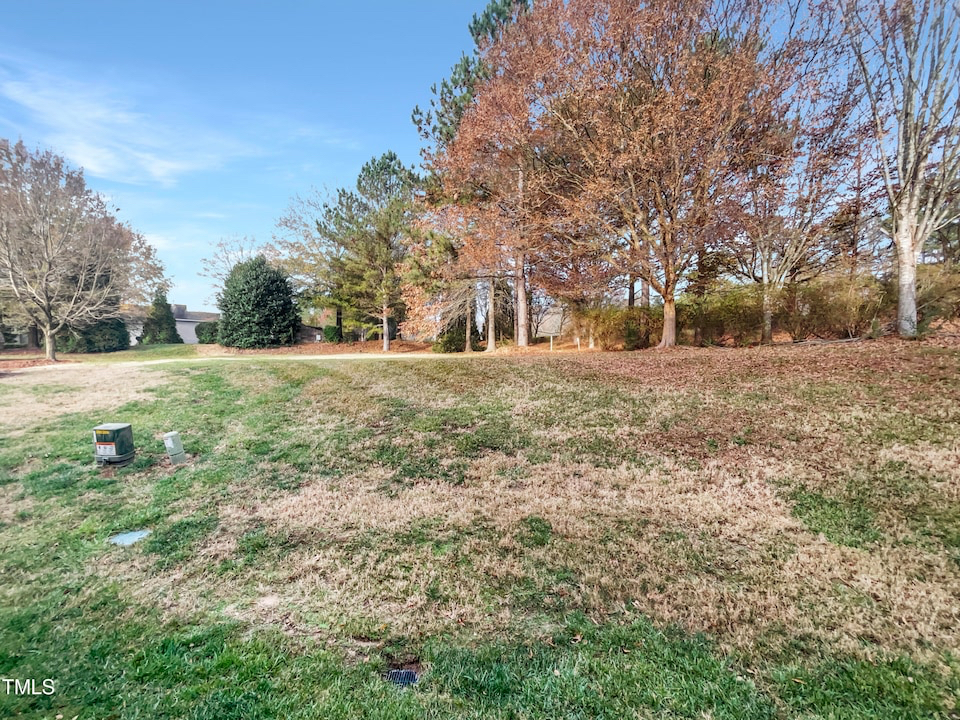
113	443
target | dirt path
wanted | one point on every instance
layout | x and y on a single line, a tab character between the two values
68	370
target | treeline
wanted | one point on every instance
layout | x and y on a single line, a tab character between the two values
721	167
699	147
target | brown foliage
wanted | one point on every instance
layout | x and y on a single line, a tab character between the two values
614	134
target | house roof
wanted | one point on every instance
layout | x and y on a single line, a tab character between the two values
180	312
191	316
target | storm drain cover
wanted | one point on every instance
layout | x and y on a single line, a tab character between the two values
128	538
403	678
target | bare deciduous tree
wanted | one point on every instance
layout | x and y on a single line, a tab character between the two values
908	52
802	163
227	253
65	260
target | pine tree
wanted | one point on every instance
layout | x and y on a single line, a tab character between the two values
367	272
257	307
160	327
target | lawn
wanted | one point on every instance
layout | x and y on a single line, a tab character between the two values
699	533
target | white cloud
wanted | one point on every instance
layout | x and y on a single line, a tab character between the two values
161	242
100	128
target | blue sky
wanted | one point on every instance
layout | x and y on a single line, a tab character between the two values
200	120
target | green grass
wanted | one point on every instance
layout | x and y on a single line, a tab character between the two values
138	353
896	689
845	522
854	514
529	607
536	531
175	541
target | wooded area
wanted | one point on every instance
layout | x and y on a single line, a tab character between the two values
788	166
707	171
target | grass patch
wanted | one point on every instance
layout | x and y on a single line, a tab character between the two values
847	688
174	542
586	536
600	672
845	522
141	352
536	531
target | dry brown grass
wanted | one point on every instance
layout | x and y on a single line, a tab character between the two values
30	397
13	502
691	522
712	550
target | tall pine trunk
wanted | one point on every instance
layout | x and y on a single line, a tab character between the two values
386	329
644	294
523	319
468	343
491	320
631	292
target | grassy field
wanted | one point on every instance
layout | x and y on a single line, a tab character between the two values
751	533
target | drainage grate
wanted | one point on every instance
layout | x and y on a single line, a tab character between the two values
403	678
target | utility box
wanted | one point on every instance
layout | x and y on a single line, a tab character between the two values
174	448
113	444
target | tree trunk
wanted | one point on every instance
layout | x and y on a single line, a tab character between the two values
468	344
491	320
50	342
907	283
531	334
33	338
669	337
523	319
386	329
644	294
766	334
339	324
631	291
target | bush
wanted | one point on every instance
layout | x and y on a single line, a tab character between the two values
454	338
207	333
938	294
104	336
617	328
160	327
257	307
731	313
835	306
331	333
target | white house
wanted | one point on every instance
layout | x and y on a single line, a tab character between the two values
187	321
